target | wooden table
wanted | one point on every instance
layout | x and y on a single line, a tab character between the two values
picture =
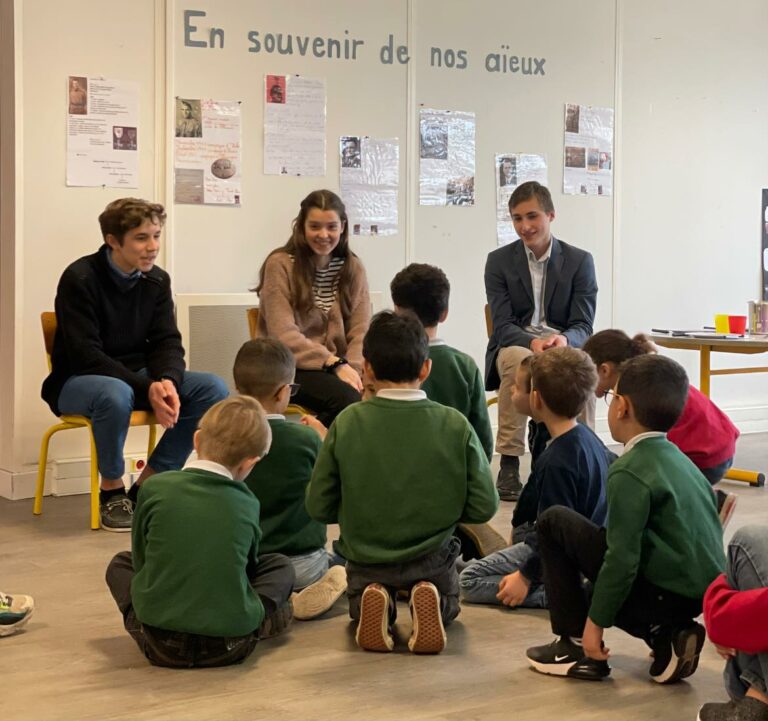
706	346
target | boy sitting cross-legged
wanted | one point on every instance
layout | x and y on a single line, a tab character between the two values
398	472
662	547
264	369
194	592
553	387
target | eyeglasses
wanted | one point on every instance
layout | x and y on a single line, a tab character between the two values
609	395
294	388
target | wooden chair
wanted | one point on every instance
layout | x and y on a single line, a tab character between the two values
138	418
489	330
253	329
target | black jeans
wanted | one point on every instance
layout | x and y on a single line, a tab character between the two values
438	567
571	546
324	393
273	582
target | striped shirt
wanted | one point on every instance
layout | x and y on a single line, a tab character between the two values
326	283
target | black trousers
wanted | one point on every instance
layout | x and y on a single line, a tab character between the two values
571	546
438	567
273	582
324	393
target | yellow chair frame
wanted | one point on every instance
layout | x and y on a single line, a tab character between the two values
138	418
489	330
253	329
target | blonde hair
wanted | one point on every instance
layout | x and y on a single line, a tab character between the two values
232	430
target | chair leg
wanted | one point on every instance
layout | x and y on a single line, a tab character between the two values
42	462
95	516
152	440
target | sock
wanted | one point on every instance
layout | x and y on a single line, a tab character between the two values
133	493
104	496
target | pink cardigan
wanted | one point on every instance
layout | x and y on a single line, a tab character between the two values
315	336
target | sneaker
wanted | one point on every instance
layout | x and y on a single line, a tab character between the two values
676	652
745	709
428	635
117	513
563	657
276	622
508	481
318	597
484	538
15	611
726	504
373	633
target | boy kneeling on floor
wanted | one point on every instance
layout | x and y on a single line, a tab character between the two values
397	473
194	592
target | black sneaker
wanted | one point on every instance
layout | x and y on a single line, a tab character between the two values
276	622
508	481
676	652
563	657
116	513
745	709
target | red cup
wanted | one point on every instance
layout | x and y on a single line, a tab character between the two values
737	324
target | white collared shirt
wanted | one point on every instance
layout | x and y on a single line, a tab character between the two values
436	341
632	442
538	270
210	466
402	394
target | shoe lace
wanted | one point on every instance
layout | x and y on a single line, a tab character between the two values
126	504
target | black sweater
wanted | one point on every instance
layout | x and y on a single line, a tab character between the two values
107	330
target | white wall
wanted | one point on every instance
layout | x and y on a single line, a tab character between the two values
690	158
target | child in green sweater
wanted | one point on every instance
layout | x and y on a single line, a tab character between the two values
454	380
194	592
398	472
662	547
265	369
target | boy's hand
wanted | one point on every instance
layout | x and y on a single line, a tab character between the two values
165	403
513	589
725	652
312	422
539	345
592	641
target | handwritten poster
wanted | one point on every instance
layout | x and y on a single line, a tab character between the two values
102	132
447	152
369	178
294	125
207	153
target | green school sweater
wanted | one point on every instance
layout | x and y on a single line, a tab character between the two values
455	381
279	481
398	476
662	524
194	535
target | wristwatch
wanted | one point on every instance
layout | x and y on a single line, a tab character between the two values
331	367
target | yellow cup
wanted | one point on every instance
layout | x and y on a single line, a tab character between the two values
721	323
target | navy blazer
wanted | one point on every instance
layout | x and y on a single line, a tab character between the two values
570	296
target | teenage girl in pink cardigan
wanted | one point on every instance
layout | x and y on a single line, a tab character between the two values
313	296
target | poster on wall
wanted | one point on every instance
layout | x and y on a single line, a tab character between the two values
102	132
294	125
207	156
447	153
588	150
368	180
513	169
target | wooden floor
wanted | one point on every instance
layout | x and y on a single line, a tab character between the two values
74	661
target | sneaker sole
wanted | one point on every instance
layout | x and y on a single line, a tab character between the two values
487	539
552	669
319	597
13	628
373	627
685	656
428	634
116	530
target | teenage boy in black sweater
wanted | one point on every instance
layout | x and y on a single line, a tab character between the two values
117	349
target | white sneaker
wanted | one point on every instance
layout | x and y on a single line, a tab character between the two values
15	611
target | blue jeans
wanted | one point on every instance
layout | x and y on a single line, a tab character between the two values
310	567
108	402
747	570
479	581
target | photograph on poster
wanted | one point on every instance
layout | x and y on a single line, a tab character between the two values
350	151
507	171
188	119
275	86
78	95
575	157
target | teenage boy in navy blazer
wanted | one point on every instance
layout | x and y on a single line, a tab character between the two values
542	294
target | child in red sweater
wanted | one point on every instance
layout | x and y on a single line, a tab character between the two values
703	432
735	612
